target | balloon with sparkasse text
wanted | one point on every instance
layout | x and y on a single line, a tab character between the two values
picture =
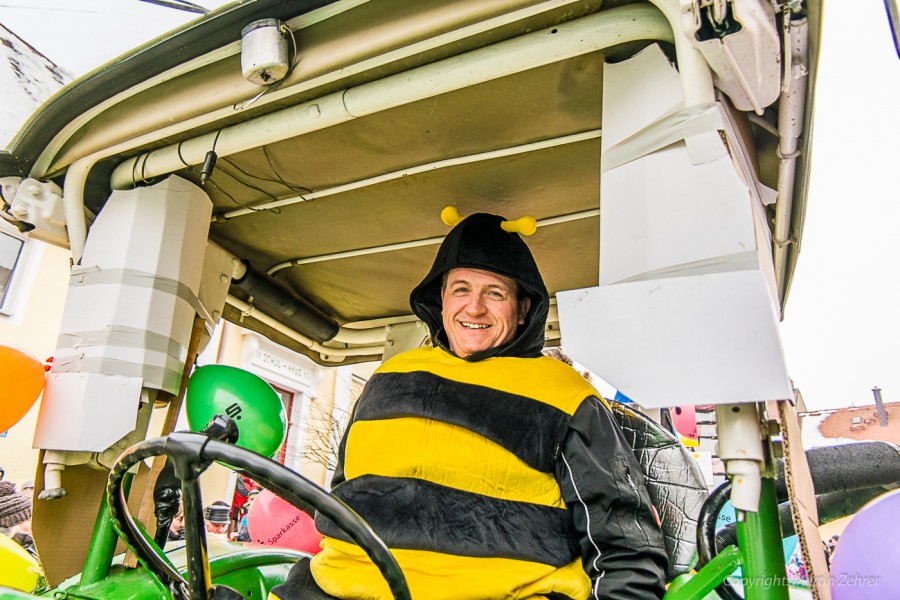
273	521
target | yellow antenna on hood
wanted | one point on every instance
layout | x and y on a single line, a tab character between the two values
450	216
525	225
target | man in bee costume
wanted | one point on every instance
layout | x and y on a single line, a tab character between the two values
489	470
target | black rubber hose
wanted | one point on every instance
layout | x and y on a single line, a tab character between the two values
706	535
707	522
285	306
830	507
847	467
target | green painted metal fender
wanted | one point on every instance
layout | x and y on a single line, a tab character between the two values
249	569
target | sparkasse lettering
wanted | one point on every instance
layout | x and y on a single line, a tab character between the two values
284	529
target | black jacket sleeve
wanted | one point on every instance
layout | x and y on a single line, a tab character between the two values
602	484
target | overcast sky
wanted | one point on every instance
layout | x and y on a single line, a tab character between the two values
841	330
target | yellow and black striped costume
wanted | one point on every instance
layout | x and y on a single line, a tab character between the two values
497	475
452	463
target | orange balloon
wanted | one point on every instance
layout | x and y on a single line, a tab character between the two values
21	382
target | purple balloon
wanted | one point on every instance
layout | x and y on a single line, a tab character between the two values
866	562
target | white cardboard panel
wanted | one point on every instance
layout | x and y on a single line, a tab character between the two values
86	411
628	107
663	211
706	339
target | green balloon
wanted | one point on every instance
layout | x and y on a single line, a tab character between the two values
255	407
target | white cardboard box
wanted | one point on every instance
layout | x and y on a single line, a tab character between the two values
128	315
685	312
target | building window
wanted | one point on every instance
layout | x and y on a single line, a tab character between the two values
10	257
296	407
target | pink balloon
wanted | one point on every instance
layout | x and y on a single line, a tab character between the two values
685	420
272	521
865	563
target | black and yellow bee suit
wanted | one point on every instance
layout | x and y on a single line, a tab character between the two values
498	475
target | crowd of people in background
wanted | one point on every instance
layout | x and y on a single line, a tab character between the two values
222	520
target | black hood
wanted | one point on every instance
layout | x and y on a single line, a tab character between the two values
478	242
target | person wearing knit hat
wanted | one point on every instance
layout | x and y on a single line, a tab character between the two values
15	507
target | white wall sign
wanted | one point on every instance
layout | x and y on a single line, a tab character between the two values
269	361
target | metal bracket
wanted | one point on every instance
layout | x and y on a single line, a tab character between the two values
404	336
39	205
716	10
740	42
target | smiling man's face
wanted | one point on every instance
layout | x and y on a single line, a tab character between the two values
480	310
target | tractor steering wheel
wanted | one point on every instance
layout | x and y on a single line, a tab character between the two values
191	454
